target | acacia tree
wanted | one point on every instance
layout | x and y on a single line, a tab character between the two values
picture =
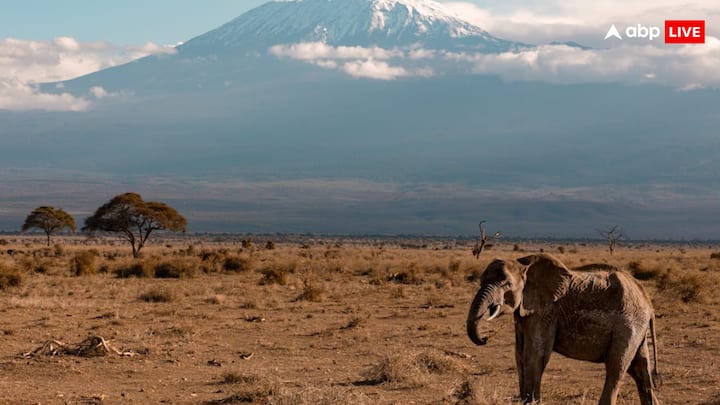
128	215
50	220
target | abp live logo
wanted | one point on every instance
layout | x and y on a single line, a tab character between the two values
684	31
676	32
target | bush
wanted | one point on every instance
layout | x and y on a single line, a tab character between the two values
174	269
688	287
273	275
641	271
232	377
409	276
310	293
59	250
83	263
475	274
270	245
10	276
135	269
408	368
454	266
157	295
237	264
715	256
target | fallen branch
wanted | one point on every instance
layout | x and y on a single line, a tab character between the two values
92	346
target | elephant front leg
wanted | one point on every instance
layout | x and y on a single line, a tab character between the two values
537	347
519	353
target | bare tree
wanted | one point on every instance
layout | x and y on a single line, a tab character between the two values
613	235
482	241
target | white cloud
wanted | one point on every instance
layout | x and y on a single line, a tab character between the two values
586	22
24	63
20	96
687	67
357	61
373	69
319	50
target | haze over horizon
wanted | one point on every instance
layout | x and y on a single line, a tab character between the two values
390	116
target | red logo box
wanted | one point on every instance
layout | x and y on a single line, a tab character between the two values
684	31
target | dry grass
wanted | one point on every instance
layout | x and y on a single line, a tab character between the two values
10	276
83	263
317	321
408	368
157	295
311	292
238	264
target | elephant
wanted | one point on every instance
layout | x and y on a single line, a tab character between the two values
597	314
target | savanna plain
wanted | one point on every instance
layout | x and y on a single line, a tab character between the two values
205	320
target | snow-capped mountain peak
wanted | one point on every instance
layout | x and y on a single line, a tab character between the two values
386	23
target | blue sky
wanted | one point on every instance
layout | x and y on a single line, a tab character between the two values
171	21
120	22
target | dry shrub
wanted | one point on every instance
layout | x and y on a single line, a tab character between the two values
233	377
157	295
689	287
33	264
454	266
83	263
461	393
270	245
174	269
436	364
641	271
409	276
310	292
273	275
474	274
715	256
408	369
181	268
135	269
320	396
211	262
10	276
238	264
59	250
249	389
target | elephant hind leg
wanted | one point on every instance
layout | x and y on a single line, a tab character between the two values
640	372
617	362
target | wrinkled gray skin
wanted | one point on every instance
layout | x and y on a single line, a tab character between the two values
596	315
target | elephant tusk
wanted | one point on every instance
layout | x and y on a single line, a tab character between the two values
494	312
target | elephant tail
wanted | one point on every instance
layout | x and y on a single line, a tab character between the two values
657	378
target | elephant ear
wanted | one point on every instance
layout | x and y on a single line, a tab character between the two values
546	281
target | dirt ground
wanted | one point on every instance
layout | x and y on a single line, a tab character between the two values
320	323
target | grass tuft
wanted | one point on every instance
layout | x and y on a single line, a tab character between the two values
157	295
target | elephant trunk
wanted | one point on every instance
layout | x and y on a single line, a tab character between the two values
480	305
